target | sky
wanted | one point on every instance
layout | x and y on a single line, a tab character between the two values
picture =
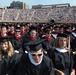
36	2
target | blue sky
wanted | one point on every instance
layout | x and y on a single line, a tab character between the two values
36	2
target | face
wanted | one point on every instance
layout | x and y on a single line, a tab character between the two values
56	30
62	42
61	30
22	28
12	28
33	33
17	33
4	46
48	34
37	55
3	31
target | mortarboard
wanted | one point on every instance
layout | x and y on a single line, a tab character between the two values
61	27
35	45
4	39
66	28
6	26
47	30
11	25
67	32
56	27
17	29
22	25
62	35
32	28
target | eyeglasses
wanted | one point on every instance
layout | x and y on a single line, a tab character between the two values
36	55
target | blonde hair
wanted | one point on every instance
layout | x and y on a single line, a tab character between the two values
10	50
56	44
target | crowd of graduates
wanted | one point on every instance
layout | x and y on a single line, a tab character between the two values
37	49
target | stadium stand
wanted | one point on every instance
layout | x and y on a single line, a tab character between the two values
59	14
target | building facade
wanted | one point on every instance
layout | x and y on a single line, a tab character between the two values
19	5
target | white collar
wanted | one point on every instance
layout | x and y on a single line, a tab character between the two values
32	61
54	35
74	34
3	34
61	50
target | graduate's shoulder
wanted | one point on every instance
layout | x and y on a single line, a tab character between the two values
47	60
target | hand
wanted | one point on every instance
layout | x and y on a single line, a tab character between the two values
58	72
73	72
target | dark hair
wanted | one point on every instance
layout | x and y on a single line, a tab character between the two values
47	30
32	28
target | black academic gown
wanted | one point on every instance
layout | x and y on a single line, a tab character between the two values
26	39
17	43
62	61
14	63
73	45
27	68
47	44
10	35
4	65
8	65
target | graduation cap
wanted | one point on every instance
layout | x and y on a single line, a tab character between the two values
61	27
56	27
32	28
22	25
11	25
66	28
17	29
62	35
4	26
47	30
35	45
67	32
5	39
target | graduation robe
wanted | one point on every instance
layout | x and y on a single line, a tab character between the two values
17	44
47	45
62	61
27	68
9	65
26	39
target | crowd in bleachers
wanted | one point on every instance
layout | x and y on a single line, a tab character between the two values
58	14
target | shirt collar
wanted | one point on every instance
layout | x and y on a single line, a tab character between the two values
61	50
32	61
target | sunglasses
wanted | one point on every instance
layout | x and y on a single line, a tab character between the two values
49	33
36	55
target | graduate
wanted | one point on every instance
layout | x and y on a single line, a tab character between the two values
35	62
23	29
12	30
17	41
8	59
4	29
62	57
48	44
30	36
